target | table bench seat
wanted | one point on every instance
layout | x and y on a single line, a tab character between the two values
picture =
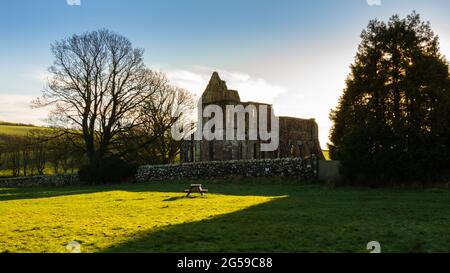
195	188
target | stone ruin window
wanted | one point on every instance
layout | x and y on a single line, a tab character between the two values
300	148
197	150
191	153
211	151
228	151
240	151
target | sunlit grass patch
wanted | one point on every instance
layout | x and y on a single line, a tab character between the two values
255	215
103	219
18	130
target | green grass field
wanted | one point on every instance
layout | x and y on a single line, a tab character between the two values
20	130
47	171
7	128
235	217
15	130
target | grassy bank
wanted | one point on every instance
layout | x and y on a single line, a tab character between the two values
251	217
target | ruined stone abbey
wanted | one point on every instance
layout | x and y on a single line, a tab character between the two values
297	137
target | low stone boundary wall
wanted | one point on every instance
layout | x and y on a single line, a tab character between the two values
304	170
288	167
40	181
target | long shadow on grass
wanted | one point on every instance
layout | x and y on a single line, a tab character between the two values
243	187
308	219
29	193
8	194
250	230
288	223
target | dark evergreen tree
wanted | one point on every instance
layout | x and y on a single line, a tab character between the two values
392	122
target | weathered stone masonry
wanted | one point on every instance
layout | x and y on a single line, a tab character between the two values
298	137
304	170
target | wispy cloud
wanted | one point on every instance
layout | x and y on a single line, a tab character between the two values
73	2
40	76
17	108
250	88
374	2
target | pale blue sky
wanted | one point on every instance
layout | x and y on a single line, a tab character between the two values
294	54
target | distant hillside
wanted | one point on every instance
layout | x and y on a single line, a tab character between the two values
17	129
15	124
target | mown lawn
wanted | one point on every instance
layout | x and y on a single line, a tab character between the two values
235	217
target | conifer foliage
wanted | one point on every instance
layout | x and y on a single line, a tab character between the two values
392	121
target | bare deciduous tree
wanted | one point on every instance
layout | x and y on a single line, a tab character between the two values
151	141
98	83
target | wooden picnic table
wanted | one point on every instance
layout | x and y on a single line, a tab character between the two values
195	188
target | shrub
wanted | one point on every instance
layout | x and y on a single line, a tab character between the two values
110	170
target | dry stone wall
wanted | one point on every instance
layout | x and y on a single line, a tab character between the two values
287	167
40	181
304	170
